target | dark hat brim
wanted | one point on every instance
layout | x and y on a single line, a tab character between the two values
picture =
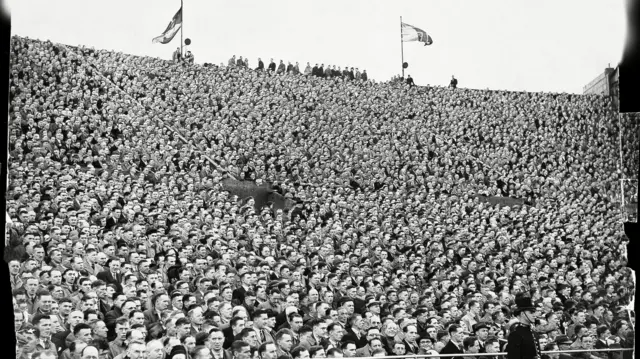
524	309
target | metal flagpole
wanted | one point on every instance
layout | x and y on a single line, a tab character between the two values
623	210
181	28
401	48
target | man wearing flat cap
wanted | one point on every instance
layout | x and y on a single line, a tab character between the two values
374	306
521	343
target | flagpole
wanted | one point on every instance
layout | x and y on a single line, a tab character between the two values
401	48
181	28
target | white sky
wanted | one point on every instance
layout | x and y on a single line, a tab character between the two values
543	45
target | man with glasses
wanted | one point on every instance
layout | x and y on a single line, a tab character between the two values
375	321
426	346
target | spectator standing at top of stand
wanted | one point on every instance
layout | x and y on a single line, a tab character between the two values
177	56
410	80
188	58
454	82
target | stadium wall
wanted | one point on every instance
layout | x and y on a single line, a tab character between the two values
600	85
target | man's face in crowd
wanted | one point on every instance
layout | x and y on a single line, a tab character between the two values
136	351
45	327
215	341
100	329
84	335
31	286
75	318
162	303
457	335
399	349
243	353
45	303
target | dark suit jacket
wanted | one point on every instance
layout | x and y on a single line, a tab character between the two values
107	277
228	337
260	65
272	66
110	321
451	348
364	351
410	349
150	317
194	331
351	335
239	294
104	308
59	340
359	305
280	352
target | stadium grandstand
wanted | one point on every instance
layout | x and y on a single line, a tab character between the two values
410	219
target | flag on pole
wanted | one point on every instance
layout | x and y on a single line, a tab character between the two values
412	33
171	30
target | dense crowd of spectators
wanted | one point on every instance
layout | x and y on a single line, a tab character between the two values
124	244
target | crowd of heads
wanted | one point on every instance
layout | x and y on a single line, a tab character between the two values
328	72
122	238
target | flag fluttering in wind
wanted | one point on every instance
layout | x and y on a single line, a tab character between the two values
412	33
171	31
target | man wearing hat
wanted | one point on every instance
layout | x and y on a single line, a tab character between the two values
564	343
373	306
481	331
521	343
